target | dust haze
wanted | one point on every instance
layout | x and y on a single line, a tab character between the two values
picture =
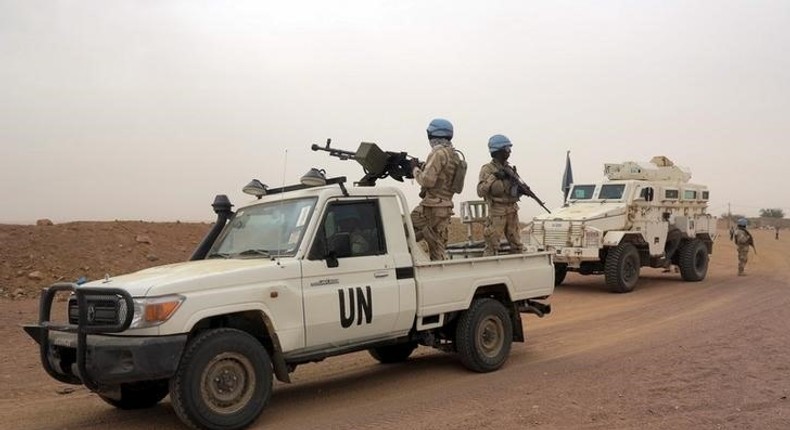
146	110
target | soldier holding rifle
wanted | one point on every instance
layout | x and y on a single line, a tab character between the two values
498	189
744	240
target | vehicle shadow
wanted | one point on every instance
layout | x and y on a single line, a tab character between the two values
596	284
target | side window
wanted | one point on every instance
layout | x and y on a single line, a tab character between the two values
646	193
670	194
350	229
690	195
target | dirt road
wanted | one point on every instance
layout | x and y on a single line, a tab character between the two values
670	355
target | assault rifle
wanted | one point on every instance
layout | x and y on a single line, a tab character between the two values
520	187
751	241
376	163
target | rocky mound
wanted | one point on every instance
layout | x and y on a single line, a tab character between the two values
36	256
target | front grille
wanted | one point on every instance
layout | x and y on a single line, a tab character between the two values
101	310
556	238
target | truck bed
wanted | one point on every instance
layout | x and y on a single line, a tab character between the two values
449	285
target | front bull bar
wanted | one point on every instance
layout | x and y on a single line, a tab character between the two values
40	332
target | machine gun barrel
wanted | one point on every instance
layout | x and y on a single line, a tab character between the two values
375	162
339	153
523	188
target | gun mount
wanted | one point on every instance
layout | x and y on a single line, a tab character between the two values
375	162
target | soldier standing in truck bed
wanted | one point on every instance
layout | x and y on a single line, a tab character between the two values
431	218
498	191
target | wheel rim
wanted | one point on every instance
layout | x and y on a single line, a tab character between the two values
228	383
491	336
629	270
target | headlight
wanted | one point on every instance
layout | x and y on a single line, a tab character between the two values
592	237
152	311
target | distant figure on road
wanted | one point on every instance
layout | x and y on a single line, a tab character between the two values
777	233
743	239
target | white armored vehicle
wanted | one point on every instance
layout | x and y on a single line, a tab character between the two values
643	215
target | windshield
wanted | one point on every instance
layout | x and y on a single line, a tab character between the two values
265	230
611	192
581	192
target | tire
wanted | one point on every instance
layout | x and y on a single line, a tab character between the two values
560	270
484	335
693	261
393	353
621	268
223	382
139	395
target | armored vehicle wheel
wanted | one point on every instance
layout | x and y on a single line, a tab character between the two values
223	382
393	353
621	269
560	270
139	395
484	335
693	261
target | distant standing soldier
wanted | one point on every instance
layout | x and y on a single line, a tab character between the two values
500	193
431	218
743	239
777	233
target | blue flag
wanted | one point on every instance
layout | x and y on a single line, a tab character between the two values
567	177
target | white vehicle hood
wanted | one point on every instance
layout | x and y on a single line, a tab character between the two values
191	275
584	211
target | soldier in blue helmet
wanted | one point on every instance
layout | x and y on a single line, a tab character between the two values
431	218
743	239
497	189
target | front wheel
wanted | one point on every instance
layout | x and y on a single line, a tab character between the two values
621	268
223	382
693	261
484	335
139	395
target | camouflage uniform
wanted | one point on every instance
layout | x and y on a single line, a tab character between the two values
431	217
743	239
502	209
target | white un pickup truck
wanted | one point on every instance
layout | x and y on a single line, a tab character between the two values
301	274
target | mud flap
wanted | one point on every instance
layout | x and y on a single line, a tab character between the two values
518	328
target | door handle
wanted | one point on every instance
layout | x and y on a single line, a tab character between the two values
381	274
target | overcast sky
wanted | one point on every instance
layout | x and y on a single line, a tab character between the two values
147	109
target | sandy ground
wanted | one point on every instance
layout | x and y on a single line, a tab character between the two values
670	355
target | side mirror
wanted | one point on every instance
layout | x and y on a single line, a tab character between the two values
331	259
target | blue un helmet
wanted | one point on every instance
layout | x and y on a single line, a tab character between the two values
743	222
498	142
440	128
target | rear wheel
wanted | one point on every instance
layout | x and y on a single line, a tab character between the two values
139	395
621	269
484	335
560	270
693	260
393	353
223	382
